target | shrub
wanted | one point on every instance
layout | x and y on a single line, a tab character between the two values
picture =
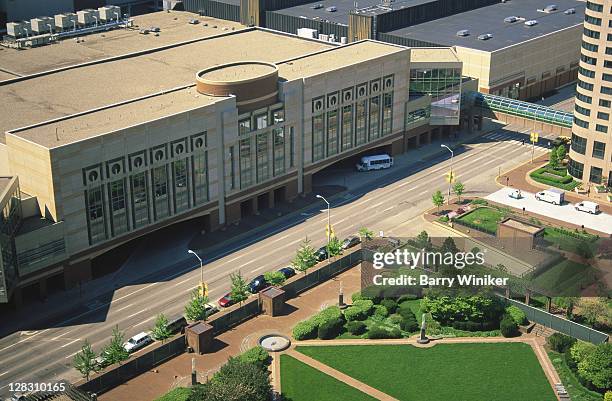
409	325
508	327
596	366
608	396
390	304
560	342
257	355
476	308
517	314
378	332
305	330
405	312
366	305
380	311
330	329
580	349
331	313
356	296
176	394
396	318
356	327
354	313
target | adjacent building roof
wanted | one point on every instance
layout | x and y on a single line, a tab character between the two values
490	19
433	55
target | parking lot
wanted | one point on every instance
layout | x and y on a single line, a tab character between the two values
601	222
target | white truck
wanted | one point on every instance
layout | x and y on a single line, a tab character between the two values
588	207
551	195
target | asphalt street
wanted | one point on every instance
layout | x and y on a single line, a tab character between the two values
392	203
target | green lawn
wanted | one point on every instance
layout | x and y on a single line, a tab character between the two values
177	394
485	218
568	242
566	277
474	372
300	382
576	390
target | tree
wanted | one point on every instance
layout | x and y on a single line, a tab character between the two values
274	278
240	289
305	257
334	247
553	159
596	366
438	199
449	246
591	309
423	241
160	330
196	307
85	360
561	153
459	189
115	352
365	234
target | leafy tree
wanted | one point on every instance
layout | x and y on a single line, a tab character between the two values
449	246
592	309
561	152
305	257
115	352
160	330
365	234
274	278
458	189
334	247
553	159
596	366
423	241
256	355
581	349
240	288
438	199
196	307
85	360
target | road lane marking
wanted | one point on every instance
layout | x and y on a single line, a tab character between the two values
125	307
145	321
71	342
134	314
183	282
20	341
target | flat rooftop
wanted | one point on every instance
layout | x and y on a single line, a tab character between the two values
343	7
75	90
490	19
336	58
433	55
104	121
174	28
519	225
4	183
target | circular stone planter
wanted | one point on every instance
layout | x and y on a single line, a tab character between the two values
274	342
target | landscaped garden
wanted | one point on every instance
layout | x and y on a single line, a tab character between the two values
483	218
502	371
555	172
566	277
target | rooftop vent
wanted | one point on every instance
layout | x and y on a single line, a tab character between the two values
331	9
569	11
485	36
463	32
511	19
531	22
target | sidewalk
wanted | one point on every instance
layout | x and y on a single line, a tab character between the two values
177	371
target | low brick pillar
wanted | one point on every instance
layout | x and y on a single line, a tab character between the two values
199	336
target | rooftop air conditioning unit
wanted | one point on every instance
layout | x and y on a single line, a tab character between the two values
87	17
485	36
109	13
531	22
511	19
331	9
18	29
66	21
42	24
463	32
569	11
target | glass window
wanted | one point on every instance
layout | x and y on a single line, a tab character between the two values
591	34
601	128
606	90
279	151
232	162
584	98
200	177
581	123
246	165
599	150
578	144
181	187
244	126
594	7
278	116
596	174
604	103
118	207
291	147
582	110
95	214
607	77
261	160
444	87
592	20
261	121
161	207
588	60
585	85
417	115
589	46
609	49
603	116
575	169
387	113
361	121
374	131
318	138
586	73
347	127
140	199
332	132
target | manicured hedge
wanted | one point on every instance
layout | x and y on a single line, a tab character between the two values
305	330
377	332
330	329
356	327
566	181
257	355
560	342
508	327
476	326
331	318
380	311
517	314
390	304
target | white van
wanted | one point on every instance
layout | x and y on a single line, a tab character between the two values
588	207
552	195
375	162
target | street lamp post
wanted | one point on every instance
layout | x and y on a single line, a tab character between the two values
450	176
201	268
328	223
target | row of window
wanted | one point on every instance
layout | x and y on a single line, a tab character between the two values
590	47
352	125
579	145
594	6
576	169
417	115
261	120
605	90
153	195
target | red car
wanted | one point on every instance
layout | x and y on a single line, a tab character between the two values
225	301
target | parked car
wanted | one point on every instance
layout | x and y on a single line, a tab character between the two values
176	324
350	242
588	207
552	195
516	194
101	361
211	309
225	301
257	284
288	271
321	253
137	342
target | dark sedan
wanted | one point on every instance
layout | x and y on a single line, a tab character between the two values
350	242
257	284
321	253
288	272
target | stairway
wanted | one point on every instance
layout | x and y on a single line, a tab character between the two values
542	331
